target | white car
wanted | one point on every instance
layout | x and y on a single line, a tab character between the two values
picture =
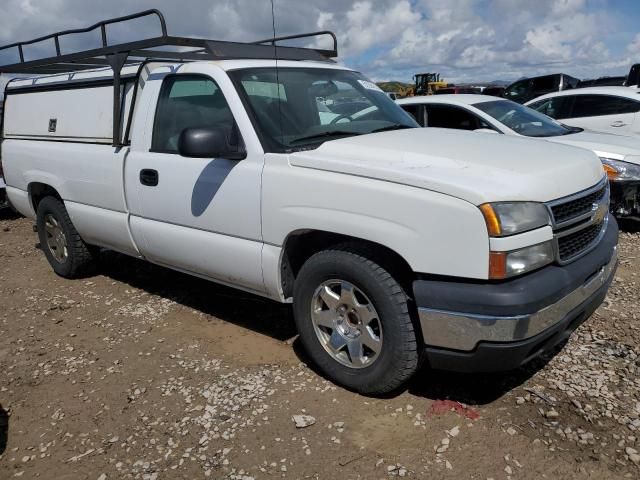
619	154
393	243
601	109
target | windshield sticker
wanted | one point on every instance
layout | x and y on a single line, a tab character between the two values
369	85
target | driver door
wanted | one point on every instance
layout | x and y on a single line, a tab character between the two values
199	215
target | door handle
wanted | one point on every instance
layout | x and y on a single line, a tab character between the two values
149	177
618	123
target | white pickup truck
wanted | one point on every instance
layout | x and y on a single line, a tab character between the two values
395	244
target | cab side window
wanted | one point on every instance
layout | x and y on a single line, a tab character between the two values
188	101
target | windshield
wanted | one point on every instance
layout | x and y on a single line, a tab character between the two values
523	120
300	108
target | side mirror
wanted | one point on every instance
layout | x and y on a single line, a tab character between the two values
485	130
209	143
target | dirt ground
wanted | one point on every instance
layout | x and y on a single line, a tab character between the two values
141	372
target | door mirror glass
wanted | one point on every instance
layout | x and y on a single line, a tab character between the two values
203	142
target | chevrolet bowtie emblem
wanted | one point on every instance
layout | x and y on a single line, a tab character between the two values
599	212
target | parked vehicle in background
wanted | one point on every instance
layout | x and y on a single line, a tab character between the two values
529	88
603	82
457	90
619	154
601	109
494	91
427	83
394	243
633	77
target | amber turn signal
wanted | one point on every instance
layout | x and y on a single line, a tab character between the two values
491	219
497	265
611	172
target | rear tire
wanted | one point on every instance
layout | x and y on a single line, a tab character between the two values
354	321
67	253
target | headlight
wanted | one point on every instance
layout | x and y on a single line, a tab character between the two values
507	264
509	218
618	170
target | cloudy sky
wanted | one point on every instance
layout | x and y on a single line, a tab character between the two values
465	40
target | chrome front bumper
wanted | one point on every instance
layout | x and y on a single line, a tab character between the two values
463	331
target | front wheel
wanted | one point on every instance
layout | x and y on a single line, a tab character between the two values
354	321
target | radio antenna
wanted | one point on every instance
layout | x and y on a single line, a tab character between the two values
275	52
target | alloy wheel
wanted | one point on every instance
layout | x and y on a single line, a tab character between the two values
346	323
56	239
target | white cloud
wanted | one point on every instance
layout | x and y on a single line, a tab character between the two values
367	25
634	47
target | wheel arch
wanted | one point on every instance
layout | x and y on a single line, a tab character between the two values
39	190
301	244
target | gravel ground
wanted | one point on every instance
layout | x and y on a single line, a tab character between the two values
140	372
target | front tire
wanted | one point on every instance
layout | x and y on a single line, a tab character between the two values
67	253
354	321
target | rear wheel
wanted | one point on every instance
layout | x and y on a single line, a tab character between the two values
354	321
67	253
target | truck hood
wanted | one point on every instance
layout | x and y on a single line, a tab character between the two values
608	145
472	166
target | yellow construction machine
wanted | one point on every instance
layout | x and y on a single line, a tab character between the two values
427	83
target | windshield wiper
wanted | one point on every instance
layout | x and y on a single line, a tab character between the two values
397	126
336	133
319	136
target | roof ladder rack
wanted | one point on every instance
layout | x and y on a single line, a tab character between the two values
116	56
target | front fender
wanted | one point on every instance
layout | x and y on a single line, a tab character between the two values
434	233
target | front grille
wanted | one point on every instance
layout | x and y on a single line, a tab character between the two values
575	243
576	207
578	221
